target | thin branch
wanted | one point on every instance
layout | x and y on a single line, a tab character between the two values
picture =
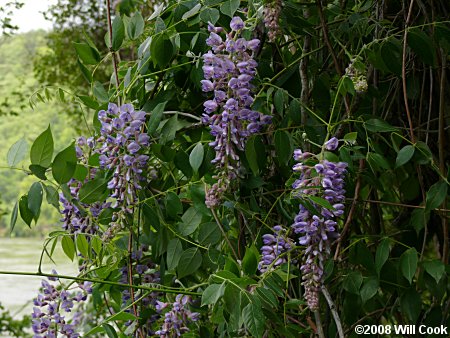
334	312
319	327
442	150
113	53
130	279
100	281
405	93
223	233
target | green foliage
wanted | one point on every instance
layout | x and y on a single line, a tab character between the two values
390	260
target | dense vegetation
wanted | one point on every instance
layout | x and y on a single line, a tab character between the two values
264	169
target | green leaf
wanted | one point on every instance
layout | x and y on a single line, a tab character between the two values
212	294
382	254
422	45
378	161
369	289
83	245
254	319
210	15
251	155
86	53
391	53
321	201
118	33
161	50
174	251
435	269
352	283
110	331
436	195
100	93
250	261
155	118
173	204
209	233
408	263
17	152
191	220
377	125
267	296
38	171
41	152
35	199
68	247
169	130
105	216
93	191
87	75
419	218
283	146
25	213
196	156
229	7
14	213
194	10
278	101
190	261
411	304
64	165
121	316
52	196
80	172
181	161
351	137
135	26
404	155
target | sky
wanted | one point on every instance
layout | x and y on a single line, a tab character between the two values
29	16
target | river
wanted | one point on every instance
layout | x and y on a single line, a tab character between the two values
23	254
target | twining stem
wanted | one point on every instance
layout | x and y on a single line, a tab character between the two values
100	281
130	278
326	38
113	53
334	312
442	149
405	93
319	327
224	233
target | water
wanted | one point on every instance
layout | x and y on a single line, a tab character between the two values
23	254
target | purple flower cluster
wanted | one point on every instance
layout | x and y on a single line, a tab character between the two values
47	321
120	146
228	69
274	248
323	179
176	320
272	11
75	217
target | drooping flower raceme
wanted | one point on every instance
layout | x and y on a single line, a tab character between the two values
177	319
275	247
228	69
121	144
272	11
48	320
324	180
